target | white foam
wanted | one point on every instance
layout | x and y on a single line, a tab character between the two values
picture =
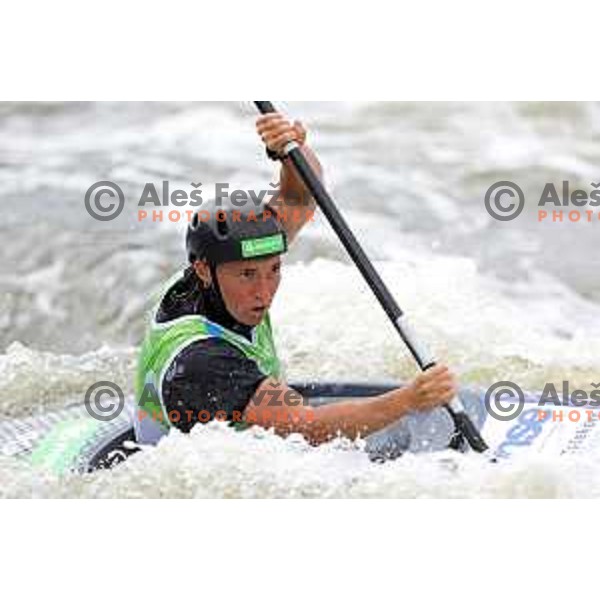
216	462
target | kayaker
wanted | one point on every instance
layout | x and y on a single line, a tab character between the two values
209	352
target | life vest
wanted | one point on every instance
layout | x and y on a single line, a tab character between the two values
164	342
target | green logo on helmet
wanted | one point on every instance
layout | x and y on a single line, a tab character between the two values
262	246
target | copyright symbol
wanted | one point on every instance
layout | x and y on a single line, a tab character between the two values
494	397
94	397
498	206
100	208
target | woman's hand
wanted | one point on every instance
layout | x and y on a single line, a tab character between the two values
432	388
276	131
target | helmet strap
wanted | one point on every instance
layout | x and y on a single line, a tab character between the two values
215	306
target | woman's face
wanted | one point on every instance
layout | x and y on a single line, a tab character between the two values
247	286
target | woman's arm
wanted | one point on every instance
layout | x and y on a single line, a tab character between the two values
294	203
278	406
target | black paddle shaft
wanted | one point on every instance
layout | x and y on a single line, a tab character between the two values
425	361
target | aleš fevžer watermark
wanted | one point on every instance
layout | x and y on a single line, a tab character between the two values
104	401
505	401
105	200
505	201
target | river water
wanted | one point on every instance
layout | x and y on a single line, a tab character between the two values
516	300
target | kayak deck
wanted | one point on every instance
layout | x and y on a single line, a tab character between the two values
71	440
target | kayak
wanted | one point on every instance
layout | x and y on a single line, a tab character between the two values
71	440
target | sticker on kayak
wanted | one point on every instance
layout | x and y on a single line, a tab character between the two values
561	431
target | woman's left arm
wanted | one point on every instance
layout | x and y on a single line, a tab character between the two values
294	203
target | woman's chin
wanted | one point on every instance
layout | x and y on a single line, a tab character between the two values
254	318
